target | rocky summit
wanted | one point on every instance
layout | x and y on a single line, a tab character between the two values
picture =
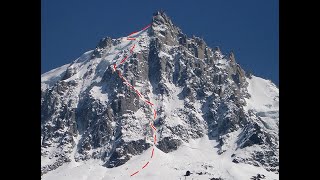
88	113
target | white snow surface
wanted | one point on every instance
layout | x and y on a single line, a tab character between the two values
49	78
264	95
199	155
264	101
97	93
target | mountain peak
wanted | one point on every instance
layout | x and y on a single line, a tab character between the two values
232	57
160	17
158	88
160	13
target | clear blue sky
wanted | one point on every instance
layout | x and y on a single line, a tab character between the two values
248	27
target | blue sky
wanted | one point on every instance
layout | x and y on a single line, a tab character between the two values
248	27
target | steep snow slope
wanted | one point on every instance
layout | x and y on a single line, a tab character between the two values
49	78
264	101
264	95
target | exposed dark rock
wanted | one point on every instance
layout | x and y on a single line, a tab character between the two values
187	173
124	150
216	178
235	161
168	144
258	177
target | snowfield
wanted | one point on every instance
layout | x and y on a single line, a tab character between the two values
198	156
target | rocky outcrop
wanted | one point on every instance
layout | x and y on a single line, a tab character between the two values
124	151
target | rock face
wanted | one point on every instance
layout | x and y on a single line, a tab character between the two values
88	113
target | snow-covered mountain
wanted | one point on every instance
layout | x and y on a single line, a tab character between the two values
213	118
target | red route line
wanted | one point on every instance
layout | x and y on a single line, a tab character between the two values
114	67
131	86
131	50
133	33
146	27
138	93
119	73
134	173
155	113
149	102
128	84
153	126
145	165
123	59
124	79
152	152
141	30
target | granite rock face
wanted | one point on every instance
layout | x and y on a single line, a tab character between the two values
88	113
